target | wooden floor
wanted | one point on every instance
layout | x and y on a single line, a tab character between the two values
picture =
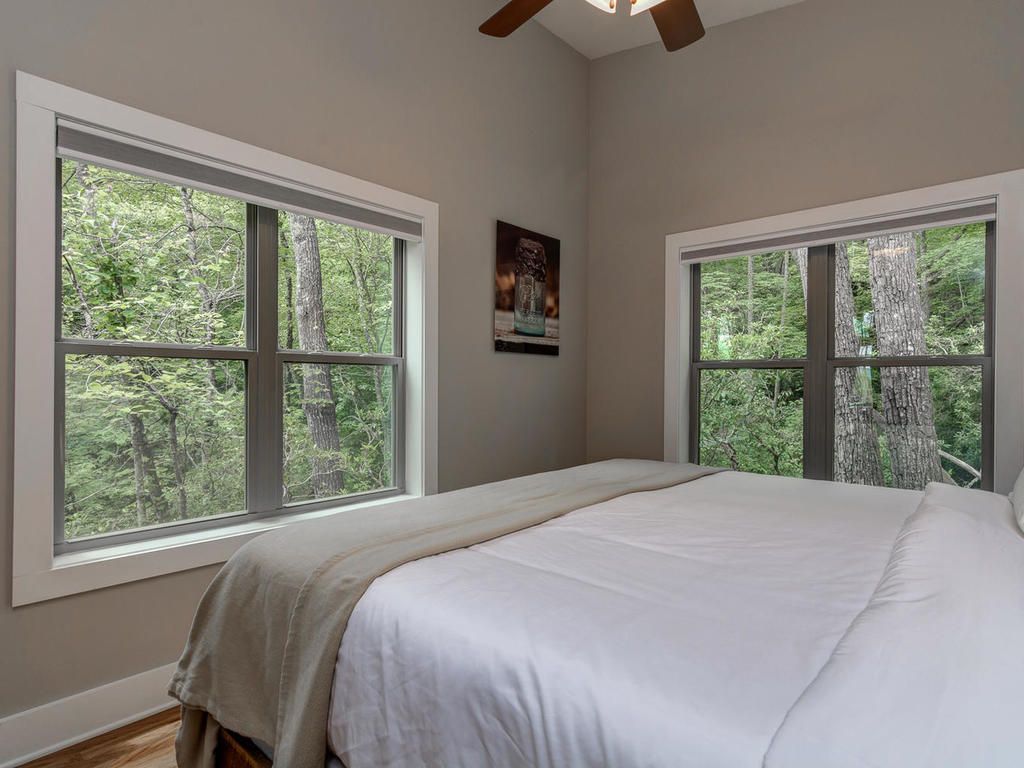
146	744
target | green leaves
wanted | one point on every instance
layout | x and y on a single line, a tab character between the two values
149	263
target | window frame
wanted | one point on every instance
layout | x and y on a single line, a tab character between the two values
820	364
42	567
1005	285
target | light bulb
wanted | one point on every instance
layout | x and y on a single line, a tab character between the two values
608	6
639	6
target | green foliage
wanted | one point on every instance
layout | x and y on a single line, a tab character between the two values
744	320
135	267
150	441
753	308
103	395
753	420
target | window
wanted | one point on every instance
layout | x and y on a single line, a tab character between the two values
867	360
163	340
211	340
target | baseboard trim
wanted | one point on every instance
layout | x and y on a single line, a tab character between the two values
27	735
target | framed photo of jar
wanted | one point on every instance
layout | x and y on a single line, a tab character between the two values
526	291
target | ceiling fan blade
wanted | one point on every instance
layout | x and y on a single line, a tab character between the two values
512	17
678	23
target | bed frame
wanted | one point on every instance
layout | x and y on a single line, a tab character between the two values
234	751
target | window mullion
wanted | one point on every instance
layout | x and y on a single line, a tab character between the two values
817	385
264	396
59	367
398	299
988	380
398	371
694	372
148	349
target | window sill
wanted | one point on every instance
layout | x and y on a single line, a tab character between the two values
78	572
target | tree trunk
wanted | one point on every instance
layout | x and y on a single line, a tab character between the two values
208	304
750	294
144	373
179	463
89	211
907	407
318	402
857	456
374	342
800	254
139	470
782	328
148	491
289	341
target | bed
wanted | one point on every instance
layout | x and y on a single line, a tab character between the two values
723	620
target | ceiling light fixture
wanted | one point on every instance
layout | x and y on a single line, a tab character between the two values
678	21
639	6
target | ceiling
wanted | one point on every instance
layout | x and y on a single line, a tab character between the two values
596	34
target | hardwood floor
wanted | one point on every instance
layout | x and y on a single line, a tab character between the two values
148	743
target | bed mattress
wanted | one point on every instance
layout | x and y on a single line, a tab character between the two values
670	628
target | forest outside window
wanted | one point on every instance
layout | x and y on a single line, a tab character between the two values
866	360
216	358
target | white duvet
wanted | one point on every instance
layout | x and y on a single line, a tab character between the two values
731	621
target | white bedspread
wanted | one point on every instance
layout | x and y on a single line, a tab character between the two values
931	674
674	628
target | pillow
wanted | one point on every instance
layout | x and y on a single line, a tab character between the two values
1017	499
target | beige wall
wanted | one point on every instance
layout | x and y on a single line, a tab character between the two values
406	94
817	103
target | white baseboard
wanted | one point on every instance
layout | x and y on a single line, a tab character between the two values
36	732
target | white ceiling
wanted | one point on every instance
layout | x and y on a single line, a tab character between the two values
595	33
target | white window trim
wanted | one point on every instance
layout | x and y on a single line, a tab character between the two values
38	574
1008	191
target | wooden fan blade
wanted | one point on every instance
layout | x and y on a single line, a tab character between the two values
512	17
678	23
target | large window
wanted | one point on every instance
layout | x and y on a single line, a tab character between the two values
217	357
212	340
865	360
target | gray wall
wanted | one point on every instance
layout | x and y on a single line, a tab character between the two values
406	94
817	103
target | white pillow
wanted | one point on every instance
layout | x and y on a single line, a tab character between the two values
1017	499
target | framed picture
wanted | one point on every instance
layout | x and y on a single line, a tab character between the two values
526	291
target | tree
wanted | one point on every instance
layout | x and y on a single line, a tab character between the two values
907	409
318	400
857	455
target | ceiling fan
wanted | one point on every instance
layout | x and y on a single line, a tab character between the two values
678	21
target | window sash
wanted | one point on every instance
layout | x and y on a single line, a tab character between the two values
821	362
264	407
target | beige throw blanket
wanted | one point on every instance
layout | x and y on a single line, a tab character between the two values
260	657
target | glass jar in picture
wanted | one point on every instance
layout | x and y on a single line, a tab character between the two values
531	287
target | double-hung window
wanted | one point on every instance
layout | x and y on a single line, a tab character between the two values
865	355
212	343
